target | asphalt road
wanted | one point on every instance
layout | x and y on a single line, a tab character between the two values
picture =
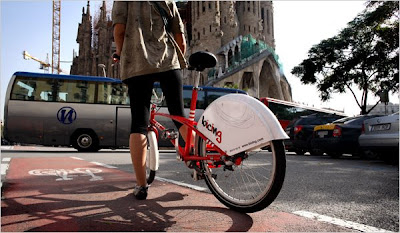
350	189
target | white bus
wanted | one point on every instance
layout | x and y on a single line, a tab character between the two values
88	113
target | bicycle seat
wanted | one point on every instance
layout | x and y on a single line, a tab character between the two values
200	60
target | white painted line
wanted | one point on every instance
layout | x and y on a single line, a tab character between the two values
103	165
76	158
4	168
339	222
6	159
198	188
7	147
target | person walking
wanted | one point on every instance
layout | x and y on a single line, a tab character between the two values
150	46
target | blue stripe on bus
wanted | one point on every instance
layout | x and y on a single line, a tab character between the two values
67	77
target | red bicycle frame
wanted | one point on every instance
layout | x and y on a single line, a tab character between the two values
191	124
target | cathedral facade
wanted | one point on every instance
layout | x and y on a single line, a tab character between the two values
240	33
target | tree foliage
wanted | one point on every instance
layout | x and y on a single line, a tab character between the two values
365	53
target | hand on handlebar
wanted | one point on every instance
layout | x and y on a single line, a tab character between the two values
116	57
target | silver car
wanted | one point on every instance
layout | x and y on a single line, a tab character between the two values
381	136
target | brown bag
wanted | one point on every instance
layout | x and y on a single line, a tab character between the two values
181	57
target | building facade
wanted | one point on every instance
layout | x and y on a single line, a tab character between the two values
240	33
383	109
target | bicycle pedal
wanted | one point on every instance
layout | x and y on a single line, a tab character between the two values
169	134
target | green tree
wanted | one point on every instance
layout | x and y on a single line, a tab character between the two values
231	85
365	53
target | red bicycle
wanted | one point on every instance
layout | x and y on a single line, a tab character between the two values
226	151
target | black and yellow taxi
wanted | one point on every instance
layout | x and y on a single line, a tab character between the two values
300	131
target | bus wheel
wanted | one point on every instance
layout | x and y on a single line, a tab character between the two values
85	141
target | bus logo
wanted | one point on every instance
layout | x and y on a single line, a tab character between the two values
66	115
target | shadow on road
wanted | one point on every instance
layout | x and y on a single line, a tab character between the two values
109	205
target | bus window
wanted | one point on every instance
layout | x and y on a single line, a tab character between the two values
119	94
75	91
213	95
281	111
23	90
301	111
187	97
33	89
104	93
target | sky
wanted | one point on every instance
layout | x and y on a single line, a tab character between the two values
27	25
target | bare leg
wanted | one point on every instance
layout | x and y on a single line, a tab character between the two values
183	130
138	149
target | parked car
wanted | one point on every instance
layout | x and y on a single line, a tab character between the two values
339	137
301	130
4	142
381	136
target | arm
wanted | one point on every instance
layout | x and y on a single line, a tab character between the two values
177	27
180	40
119	35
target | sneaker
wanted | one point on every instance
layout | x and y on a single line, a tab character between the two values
140	192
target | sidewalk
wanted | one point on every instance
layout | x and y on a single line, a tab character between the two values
66	194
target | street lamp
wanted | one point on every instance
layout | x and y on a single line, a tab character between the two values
104	69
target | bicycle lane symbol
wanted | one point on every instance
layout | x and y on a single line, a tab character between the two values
68	174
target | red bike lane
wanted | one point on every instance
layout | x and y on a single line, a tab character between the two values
67	194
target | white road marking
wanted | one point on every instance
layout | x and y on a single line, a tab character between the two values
76	158
3	168
198	188
339	222
104	165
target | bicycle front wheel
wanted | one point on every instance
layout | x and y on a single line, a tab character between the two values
152	157
251	181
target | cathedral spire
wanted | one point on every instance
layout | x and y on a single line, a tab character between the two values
88	8
104	11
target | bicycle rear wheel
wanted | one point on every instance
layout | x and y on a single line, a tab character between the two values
250	185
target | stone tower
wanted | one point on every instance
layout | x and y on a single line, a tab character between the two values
95	39
267	22
256	19
82	64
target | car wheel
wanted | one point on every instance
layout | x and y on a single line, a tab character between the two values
359	153
367	154
390	158
299	152
316	152
335	154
